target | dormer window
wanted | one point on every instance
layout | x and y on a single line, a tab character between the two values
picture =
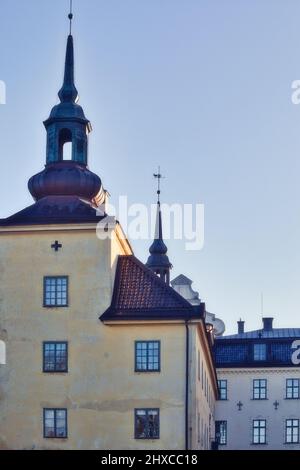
260	352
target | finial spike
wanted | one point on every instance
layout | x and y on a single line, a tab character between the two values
158	176
71	16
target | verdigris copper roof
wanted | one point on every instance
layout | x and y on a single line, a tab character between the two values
141	294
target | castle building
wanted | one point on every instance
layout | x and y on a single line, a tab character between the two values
102	353
259	388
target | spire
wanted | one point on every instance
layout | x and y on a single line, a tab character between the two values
68	92
158	260
66	172
67	122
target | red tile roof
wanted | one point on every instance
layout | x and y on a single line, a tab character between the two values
139	293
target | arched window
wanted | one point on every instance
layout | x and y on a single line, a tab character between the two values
65	145
2	353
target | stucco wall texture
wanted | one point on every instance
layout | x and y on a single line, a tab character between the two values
101	389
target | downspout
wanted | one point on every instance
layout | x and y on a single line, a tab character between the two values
187	385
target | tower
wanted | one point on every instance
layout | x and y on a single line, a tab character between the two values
67	124
158	260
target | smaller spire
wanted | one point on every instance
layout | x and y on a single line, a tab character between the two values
158	260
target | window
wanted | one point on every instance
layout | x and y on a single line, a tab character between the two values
292	388
67	151
202	374
55	423
259	431
199	367
292	431
259	389
56	291
222	389
65	145
198	428
147	356
147	424
55	357
260	352
221	432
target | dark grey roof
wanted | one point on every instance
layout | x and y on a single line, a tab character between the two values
55	210
258	334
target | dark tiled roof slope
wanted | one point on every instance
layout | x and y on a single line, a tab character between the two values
139	293
54	210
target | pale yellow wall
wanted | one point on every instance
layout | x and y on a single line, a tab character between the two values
202	397
101	388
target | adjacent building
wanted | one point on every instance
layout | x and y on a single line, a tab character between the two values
259	388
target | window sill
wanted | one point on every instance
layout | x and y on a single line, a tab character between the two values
55	306
286	398
56	438
259	443
147	371
259	399
55	372
291	443
147	438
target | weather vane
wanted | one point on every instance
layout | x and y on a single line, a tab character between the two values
70	15
158	176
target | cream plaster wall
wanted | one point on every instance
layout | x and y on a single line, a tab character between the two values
239	423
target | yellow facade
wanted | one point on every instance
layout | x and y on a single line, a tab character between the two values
101	389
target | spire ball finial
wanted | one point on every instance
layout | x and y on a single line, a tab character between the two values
70	15
158	176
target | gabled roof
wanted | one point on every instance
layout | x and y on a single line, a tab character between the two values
141	294
181	280
55	210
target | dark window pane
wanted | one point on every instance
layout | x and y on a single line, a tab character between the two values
55	423
147	424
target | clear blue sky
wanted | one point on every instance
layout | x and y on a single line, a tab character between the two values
201	87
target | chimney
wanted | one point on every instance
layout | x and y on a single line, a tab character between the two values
241	326
268	323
